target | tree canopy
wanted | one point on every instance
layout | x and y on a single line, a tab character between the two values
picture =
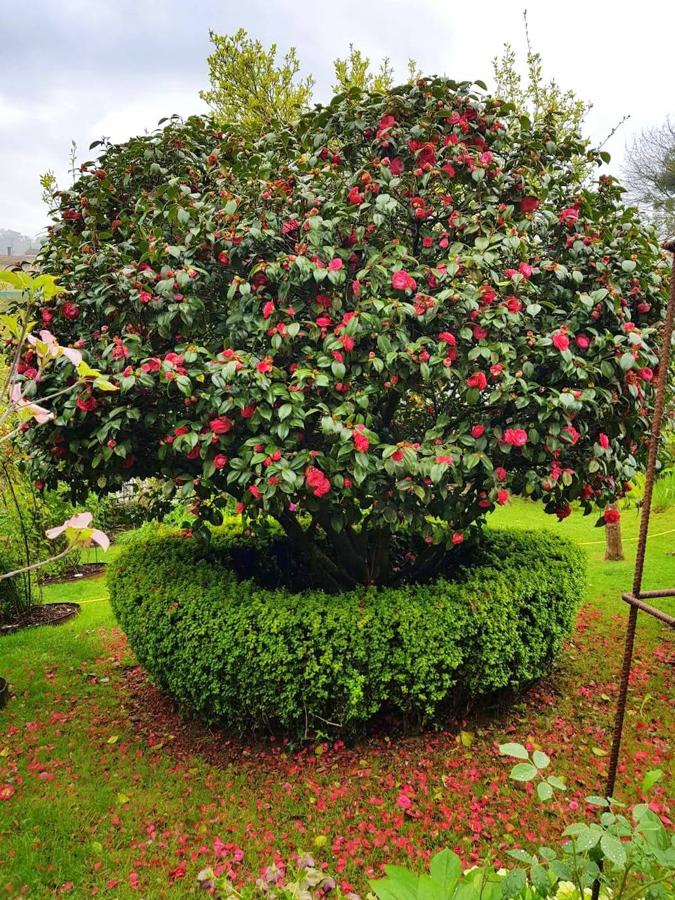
373	325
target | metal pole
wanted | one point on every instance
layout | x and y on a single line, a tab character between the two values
659	405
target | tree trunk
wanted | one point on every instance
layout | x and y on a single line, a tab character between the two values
613	543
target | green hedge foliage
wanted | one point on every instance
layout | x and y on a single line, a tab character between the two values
255	656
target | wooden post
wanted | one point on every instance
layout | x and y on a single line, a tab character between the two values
613	542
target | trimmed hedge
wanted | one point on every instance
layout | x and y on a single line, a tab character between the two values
257	657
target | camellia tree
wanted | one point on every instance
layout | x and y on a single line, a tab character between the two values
374	325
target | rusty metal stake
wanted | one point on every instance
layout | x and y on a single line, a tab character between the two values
636	597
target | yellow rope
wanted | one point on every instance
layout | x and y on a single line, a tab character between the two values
625	540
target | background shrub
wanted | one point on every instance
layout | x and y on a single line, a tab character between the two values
255	656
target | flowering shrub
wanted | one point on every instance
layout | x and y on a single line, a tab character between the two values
30	357
383	320
257	657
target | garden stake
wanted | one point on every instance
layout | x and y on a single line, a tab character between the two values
637	596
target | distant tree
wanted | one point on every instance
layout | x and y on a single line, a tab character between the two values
649	173
543	101
249	89
354	71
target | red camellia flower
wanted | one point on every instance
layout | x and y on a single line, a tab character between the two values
502	496
569	215
268	309
355	196
401	281
86	403
265	365
529	204
611	516
500	473
361	442
447	338
477	380
646	374
335	264
560	341
562	512
223	258
6	791
477	431
221	425
70	310
397	166
457	538
603	440
254	490
220	461
317	481
443	460
517	437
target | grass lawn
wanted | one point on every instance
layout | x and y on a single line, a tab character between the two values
108	792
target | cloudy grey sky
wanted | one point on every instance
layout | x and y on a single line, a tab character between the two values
80	69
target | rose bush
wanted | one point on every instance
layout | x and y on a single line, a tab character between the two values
373	325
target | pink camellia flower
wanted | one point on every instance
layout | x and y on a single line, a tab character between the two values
477	431
80	522
517	437
458	538
560	341
500	473
646	374
265	365
525	269
611	516
221	425
603	440
502	496
529	204
220	461
402	281
444	460
477	380
582	341
254	490
18	401
496	370
335	264
569	215
404	801
268	309
356	288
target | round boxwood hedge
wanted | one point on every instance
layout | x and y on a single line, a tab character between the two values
256	656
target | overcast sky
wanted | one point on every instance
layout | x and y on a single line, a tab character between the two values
80	69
